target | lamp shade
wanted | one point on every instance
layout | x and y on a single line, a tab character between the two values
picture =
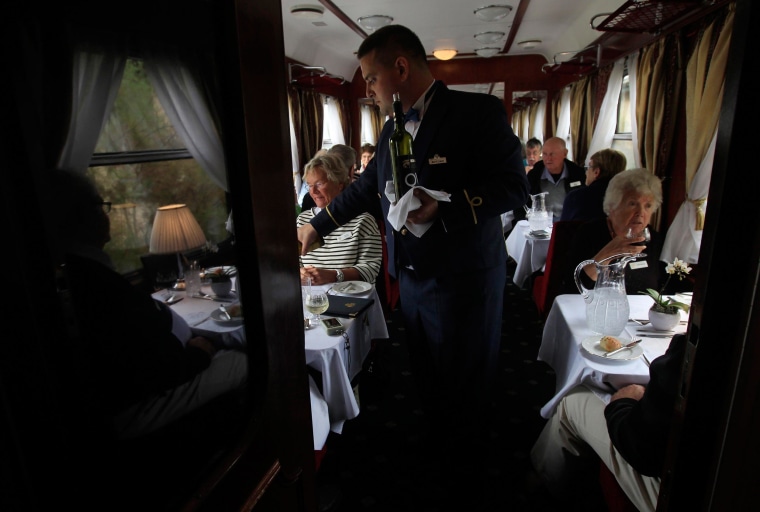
492	12
175	230
487	51
374	21
445	54
488	37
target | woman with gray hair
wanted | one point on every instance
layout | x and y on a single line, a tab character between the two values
632	197
353	252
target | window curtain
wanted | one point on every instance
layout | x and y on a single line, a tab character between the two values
181	94
311	122
581	117
563	121
378	120
607	120
295	164
368	133
525	119
633	62
705	75
539	120
332	120
345	118
96	78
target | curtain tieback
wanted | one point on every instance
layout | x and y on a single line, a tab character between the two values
699	224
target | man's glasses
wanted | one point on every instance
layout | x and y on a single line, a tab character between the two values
106	206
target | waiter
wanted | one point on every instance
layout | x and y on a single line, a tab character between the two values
452	276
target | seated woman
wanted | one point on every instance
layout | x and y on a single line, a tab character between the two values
585	203
631	198
353	252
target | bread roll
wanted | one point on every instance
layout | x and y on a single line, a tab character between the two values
610	343
235	310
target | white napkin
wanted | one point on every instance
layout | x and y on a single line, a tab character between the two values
398	212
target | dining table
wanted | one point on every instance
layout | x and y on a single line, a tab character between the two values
338	358
570	348
528	251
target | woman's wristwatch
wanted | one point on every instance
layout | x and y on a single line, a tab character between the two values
339	277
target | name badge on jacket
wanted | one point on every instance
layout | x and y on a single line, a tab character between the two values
575	184
437	160
638	264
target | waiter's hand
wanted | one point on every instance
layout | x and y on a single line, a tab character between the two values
635	391
427	211
307	235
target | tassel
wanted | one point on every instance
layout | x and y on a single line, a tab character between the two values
699	224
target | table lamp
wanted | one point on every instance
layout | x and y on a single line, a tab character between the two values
175	231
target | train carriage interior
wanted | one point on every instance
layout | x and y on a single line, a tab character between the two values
217	106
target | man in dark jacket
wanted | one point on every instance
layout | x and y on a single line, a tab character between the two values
630	435
555	175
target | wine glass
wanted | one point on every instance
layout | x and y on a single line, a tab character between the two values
316	302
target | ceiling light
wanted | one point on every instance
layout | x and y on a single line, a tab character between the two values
374	21
307	11
493	12
563	57
489	37
529	44
487	51
444	54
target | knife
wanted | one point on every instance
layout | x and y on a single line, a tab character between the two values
634	342
656	335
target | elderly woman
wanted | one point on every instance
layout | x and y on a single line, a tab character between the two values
632	197
586	203
353	252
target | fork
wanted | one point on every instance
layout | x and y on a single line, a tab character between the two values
640	322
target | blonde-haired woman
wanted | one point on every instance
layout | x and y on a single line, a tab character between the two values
353	252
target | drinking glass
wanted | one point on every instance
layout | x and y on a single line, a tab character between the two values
193	279
316	302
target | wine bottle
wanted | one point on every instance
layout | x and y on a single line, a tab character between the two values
402	159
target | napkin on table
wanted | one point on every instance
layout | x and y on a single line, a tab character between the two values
398	212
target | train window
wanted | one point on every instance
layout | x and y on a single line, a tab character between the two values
140	163
623	138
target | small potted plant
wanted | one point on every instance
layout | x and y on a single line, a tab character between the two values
665	312
221	280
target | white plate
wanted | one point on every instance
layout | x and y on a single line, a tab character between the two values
220	318
591	345
352	287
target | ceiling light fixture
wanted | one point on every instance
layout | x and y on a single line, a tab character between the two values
492	12
529	44
488	37
445	54
488	51
307	11
374	21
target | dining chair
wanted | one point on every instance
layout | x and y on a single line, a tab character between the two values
548	285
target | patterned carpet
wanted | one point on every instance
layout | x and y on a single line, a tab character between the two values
382	463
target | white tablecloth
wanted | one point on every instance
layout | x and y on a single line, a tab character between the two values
564	331
337	361
529	254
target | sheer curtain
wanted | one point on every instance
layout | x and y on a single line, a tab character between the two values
180	93
605	125
332	120
368	131
96	80
705	76
539	120
633	62
563	121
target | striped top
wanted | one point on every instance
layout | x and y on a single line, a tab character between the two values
355	244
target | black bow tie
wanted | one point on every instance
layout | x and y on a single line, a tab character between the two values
412	115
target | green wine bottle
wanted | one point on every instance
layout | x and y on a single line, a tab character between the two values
402	159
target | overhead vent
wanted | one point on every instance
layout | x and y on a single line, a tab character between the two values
646	16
